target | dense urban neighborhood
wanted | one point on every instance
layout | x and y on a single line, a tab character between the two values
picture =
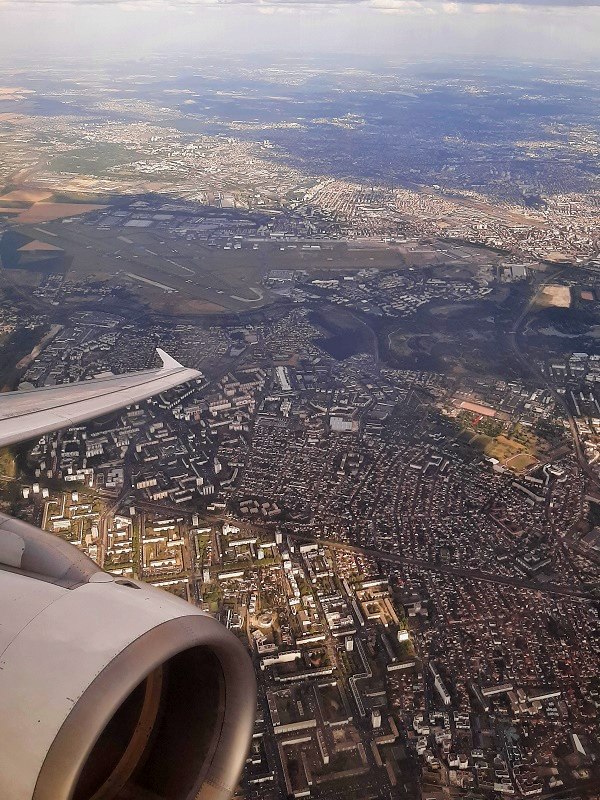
386	480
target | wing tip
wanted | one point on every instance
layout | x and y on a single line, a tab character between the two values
168	362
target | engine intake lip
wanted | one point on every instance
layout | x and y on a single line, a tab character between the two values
226	753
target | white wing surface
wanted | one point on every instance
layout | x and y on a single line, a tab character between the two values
29	414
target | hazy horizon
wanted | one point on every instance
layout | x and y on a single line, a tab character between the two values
389	30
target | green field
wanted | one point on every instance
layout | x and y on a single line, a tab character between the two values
8	467
516	450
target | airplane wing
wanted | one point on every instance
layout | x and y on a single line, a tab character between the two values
109	687
30	414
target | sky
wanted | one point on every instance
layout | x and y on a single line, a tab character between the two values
394	30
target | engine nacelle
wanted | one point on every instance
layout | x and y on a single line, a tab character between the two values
109	688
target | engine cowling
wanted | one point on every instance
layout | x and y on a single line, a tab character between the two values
111	689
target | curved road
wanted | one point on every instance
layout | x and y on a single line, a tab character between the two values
513	339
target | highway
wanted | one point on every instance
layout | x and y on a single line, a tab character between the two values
397	558
567	541
459	572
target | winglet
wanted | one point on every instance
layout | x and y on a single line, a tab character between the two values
168	361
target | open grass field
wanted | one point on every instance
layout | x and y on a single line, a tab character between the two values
37	246
26	196
521	462
8	467
46	212
554	297
516	451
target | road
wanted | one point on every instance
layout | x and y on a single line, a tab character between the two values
568	540
106	518
396	558
459	572
513	339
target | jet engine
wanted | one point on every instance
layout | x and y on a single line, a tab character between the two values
111	689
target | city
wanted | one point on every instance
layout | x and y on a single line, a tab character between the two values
407	554
385	481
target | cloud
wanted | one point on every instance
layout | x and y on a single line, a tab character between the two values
399	6
391	6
